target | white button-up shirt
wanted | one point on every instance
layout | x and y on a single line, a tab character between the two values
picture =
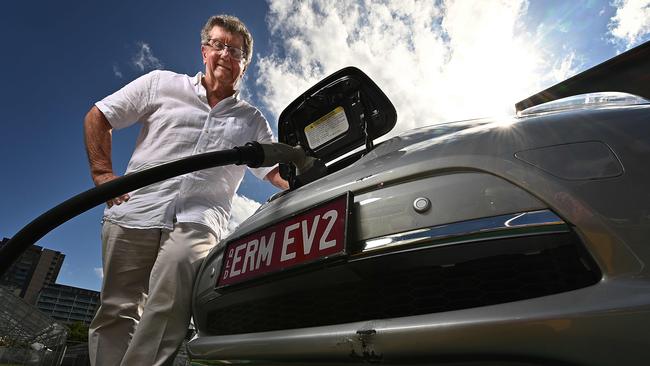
177	122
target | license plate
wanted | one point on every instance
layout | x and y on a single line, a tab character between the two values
308	237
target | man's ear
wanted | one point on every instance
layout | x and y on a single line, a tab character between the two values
203	52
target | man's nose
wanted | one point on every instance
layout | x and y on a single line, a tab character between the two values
225	53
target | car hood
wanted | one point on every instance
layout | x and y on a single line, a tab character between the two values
484	145
394	159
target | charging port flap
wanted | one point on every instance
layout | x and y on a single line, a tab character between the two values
340	113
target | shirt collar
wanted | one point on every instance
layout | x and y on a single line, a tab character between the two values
201	92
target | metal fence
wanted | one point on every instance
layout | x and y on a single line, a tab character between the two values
27	336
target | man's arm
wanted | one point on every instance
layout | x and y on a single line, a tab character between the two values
274	177
98	138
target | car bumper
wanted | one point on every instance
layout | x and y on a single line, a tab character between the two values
596	325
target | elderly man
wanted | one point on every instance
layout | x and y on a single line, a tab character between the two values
154	238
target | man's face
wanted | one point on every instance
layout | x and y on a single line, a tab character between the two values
221	65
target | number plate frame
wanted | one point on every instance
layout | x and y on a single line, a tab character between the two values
246	258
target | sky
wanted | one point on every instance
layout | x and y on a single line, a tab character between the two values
438	61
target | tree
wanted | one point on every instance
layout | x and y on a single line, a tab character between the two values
78	332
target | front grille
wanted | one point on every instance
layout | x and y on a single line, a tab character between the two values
423	290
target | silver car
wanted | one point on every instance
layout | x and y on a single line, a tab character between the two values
510	241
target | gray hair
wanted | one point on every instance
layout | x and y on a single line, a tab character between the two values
233	25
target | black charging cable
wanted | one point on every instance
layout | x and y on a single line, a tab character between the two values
252	154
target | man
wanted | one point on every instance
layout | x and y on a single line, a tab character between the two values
154	239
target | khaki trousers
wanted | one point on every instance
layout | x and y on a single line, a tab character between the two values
146	293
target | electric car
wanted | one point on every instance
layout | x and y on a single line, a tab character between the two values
522	240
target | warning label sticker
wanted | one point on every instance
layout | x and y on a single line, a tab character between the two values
326	128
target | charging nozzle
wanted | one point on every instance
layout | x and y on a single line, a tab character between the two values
276	153
308	168
281	153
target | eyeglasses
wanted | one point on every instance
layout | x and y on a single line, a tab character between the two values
235	53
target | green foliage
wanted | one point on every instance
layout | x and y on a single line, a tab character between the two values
78	332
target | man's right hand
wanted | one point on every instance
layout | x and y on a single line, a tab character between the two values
107	177
97	135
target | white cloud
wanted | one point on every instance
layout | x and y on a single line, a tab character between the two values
436	61
117	72
564	67
631	21
144	60
243	87
242	208
99	271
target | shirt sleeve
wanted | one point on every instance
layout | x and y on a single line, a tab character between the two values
262	135
127	105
